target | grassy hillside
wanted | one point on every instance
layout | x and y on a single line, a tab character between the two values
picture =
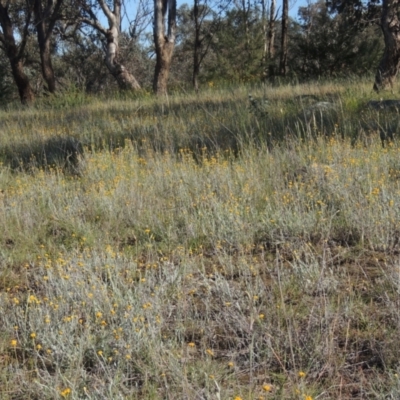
202	247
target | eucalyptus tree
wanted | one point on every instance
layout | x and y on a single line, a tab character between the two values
385	14
238	47
197	28
7	85
271	30
390	63
46	15
111	35
284	38
207	22
164	32
268	17
200	12
328	43
15	20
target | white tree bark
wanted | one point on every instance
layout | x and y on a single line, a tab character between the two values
125	80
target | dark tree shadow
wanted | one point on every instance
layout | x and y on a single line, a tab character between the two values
64	153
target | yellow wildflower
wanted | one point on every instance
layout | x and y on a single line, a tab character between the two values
66	392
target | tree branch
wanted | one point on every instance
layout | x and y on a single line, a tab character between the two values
109	14
25	32
171	20
94	24
54	17
92	21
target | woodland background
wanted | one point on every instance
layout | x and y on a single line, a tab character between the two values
81	45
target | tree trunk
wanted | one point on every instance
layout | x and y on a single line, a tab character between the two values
164	40
161	73
284	39
47	67
14	54
44	34
390	62
246	16
196	69
197	46
271	31
125	80
25	91
45	57
264	30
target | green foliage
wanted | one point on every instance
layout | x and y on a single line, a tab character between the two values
326	44
238	48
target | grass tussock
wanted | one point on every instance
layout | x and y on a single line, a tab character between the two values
204	249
